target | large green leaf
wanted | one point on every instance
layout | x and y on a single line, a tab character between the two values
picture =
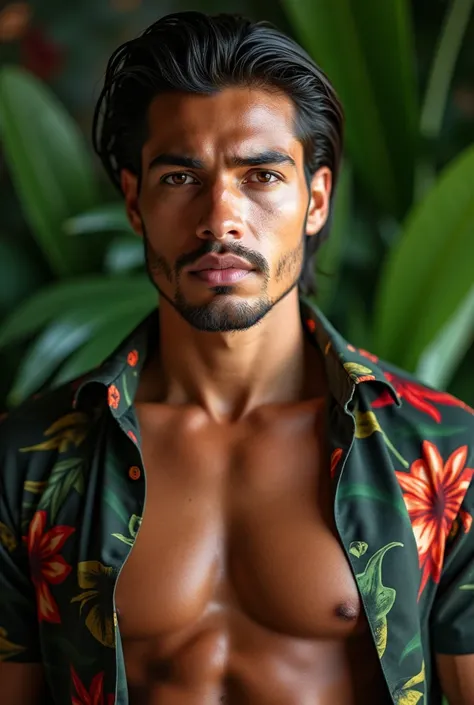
428	274
104	341
105	218
441	358
20	273
438	89
442	69
50	165
358	329
56	300
65	335
366	49
329	257
124	254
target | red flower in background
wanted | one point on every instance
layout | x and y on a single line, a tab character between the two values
95	694
418	396
47	566
433	493
40	55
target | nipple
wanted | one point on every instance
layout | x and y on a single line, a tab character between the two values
347	611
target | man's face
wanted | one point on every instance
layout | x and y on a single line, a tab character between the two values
201	194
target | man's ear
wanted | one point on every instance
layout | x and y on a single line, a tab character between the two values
320	196
129	184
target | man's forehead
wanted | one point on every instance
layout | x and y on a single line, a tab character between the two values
241	97
228	111
203	127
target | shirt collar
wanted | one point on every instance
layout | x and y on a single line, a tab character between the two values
346	365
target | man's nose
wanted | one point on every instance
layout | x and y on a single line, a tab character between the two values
221	214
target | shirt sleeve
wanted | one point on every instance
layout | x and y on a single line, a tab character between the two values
452	617
19	636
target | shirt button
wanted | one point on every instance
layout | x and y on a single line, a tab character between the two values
134	472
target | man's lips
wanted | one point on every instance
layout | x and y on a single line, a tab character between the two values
214	261
221	276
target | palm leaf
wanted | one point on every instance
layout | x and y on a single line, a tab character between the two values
366	49
50	166
428	273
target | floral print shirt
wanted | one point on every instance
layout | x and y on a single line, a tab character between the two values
72	492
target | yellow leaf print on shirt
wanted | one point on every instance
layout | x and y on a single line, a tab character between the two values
133	526
7	537
366	423
378	598
358	548
354	369
96	581
34	486
406	695
66	431
8	648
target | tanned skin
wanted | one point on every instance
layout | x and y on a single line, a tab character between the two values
237	590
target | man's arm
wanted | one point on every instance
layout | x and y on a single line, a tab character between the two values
456	674
22	684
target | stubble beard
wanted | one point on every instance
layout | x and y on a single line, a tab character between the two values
222	314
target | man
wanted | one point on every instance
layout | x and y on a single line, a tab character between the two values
237	506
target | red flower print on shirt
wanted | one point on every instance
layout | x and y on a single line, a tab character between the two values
131	435
369	355
46	565
335	458
114	397
433	492
418	396
95	695
132	358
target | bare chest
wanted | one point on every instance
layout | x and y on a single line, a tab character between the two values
238	523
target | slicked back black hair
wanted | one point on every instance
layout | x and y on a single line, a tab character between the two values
196	53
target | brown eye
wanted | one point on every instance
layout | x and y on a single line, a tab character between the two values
177	179
264	177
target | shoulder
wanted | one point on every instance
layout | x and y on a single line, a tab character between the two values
429	423
424	402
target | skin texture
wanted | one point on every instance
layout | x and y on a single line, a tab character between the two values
456	674
225	209
257	604
233	513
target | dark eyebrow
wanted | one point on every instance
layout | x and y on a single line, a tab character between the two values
175	160
268	157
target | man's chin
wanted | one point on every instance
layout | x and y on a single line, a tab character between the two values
219	316
225	313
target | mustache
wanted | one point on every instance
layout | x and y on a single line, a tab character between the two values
208	247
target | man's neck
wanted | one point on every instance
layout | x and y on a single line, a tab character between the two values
229	375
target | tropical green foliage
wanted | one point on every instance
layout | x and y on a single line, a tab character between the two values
397	214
